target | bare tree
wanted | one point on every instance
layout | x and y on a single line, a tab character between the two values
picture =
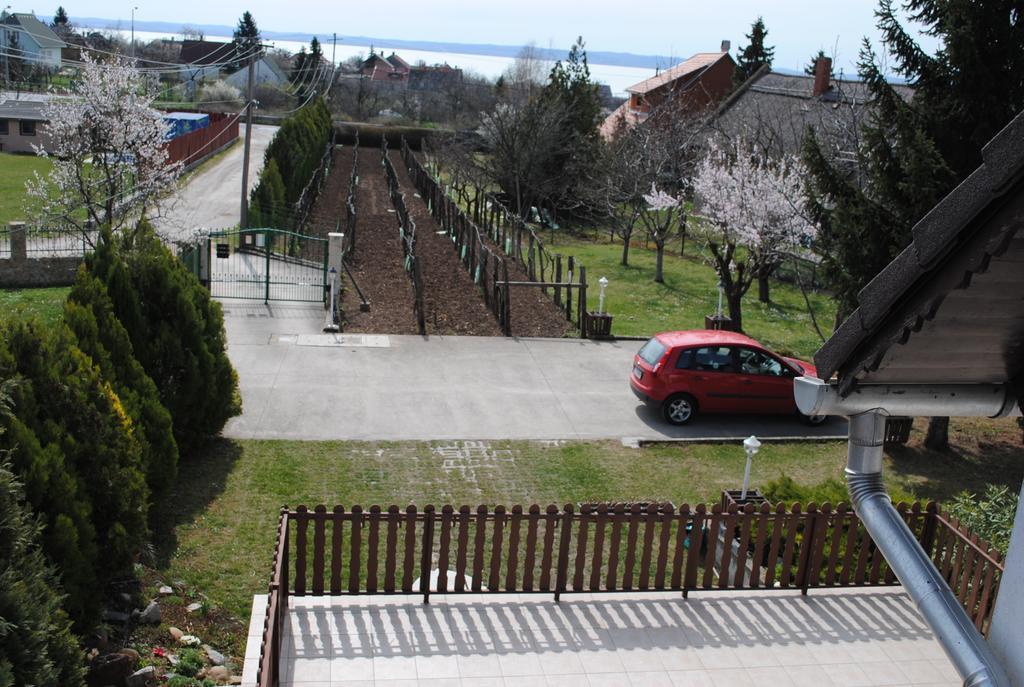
523	140
527	74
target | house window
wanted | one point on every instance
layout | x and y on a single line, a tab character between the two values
3	127
27	127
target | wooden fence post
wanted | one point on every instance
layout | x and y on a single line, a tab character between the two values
427	552
562	569
583	303
558	280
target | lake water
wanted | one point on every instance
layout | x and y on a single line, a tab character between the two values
618	77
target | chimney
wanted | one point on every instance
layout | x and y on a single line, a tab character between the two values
822	75
726	45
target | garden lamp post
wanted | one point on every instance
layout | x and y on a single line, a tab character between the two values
751	445
721	290
603	281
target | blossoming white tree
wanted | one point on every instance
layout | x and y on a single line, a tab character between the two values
107	146
661	217
754	203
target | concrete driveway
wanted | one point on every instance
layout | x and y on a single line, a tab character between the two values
211	198
298	383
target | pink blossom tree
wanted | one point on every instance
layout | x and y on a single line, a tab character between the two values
107	144
755	205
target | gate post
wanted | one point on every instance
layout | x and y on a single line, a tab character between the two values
334	265
268	239
203	248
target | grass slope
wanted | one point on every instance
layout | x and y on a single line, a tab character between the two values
642	307
14	171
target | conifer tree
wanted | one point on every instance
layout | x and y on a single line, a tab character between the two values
36	644
754	55
246	39
811	66
914	152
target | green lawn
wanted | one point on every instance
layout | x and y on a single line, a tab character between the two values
45	304
642	307
14	171
215	529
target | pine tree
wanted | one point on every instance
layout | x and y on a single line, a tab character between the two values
246	39
60	23
571	88
915	152
754	55
811	66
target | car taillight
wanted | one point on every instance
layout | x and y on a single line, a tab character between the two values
660	364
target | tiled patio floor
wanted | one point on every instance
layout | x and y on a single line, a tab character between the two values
771	639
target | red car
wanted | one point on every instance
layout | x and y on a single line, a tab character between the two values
708	371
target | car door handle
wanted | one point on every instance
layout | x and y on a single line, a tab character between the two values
698	378
747	382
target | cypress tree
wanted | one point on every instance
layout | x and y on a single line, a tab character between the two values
36	644
78	458
89	313
176	331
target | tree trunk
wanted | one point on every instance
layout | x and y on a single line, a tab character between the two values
763	294
625	249
937	438
659	274
735	311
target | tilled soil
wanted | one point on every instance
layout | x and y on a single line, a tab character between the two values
533	313
452	302
376	262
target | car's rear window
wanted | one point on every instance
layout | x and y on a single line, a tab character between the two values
652	351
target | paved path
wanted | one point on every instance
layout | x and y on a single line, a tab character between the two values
210	198
298	383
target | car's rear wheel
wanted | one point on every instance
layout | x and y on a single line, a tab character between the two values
679	409
813	420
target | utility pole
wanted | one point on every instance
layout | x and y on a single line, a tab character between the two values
334	49
244	219
133	34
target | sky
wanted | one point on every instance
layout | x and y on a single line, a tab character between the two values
797	28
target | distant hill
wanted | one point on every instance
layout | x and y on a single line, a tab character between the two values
619	59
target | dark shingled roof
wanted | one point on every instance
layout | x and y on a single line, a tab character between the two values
42	34
950	307
775	109
23	109
205	52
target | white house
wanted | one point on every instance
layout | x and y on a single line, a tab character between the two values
23	34
267	74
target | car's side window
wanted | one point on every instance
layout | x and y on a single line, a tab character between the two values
757	363
713	359
685	359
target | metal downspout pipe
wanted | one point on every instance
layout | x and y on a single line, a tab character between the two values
966	648
963	644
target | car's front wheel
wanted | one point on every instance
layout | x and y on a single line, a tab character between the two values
679	409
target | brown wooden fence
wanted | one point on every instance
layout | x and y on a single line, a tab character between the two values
602	548
197	145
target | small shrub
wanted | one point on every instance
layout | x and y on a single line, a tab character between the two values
786	490
190	662
220	95
991	518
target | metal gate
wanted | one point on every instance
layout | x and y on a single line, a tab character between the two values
267	265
